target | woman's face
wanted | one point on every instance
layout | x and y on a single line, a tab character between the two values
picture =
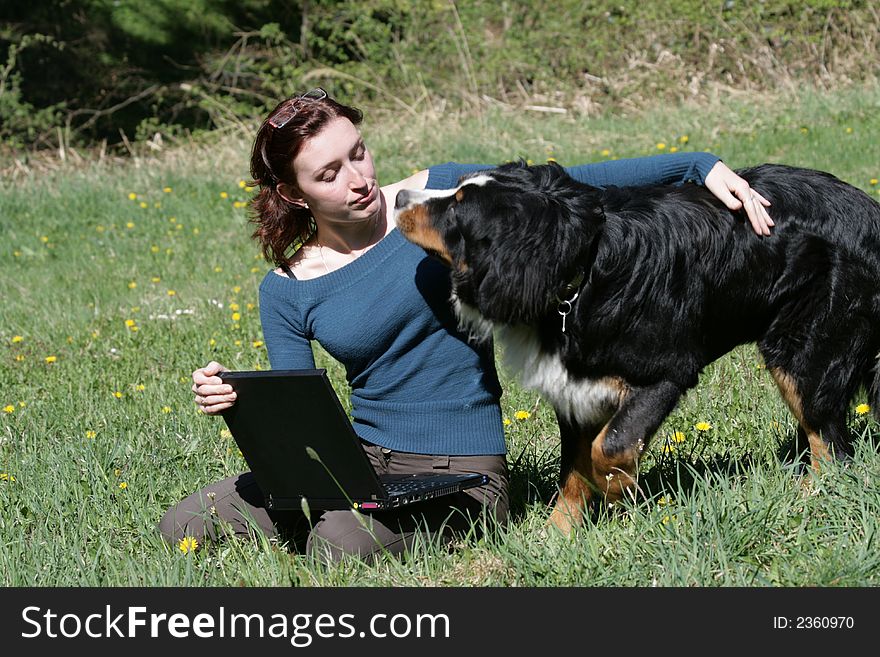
335	175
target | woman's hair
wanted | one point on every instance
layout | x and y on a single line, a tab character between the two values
279	223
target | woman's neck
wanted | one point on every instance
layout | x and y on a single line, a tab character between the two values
352	238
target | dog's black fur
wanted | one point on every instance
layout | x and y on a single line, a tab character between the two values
672	280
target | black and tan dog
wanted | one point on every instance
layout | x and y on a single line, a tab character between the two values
611	301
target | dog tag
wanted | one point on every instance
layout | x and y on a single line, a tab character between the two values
564	313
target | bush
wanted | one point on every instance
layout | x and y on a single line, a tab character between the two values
177	66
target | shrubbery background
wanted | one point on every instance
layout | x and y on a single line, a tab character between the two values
89	72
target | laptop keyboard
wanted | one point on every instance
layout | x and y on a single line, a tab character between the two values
396	488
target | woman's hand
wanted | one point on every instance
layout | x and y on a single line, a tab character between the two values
212	395
735	193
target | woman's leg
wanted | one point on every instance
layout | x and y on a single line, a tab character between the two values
367	535
231	507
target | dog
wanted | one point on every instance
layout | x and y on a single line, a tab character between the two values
610	302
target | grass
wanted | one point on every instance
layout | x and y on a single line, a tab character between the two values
130	295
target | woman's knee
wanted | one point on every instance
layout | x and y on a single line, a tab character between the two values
338	534
227	507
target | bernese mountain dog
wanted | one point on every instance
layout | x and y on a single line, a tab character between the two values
610	302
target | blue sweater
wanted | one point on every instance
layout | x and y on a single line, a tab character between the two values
417	384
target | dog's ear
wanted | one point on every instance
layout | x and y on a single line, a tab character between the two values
544	229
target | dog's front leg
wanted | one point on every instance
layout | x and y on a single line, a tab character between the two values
617	449
575	487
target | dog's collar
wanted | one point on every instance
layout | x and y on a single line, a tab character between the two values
567	295
572	289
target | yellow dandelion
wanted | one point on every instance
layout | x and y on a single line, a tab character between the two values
257	344
683	139
21	404
663	501
166	409
9	408
132	285
132	196
237	343
17	254
99	228
90	434
673	149
16	339
123	485
155	279
143	204
678	437
19	357
212	342
129	224
668	449
239	204
234	306
507	422
44	239
249	189
668	519
224	195
522	415
242	184
218	269
702	426
117	394
250	306
225	433
178	227
51	359
196	231
129	323
188	544
236	317
236	289
873	181
167	190
255	270
171	293
849	130
862	409
804	130
140	387
661	146
5	476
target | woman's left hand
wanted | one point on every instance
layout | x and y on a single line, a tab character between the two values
735	193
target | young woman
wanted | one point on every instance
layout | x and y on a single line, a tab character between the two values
423	397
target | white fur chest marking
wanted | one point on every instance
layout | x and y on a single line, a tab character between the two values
587	401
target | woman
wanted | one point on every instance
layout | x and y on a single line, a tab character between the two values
423	397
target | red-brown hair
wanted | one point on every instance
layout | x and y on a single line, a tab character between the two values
280	224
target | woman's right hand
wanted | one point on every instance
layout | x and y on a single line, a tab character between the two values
212	395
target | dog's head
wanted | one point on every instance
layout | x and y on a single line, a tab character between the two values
513	236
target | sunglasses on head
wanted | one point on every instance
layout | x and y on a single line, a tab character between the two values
283	117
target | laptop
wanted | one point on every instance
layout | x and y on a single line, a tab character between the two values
302	449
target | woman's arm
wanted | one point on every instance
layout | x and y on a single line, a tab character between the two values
671	168
676	168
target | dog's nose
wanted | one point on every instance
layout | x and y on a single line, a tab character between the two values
402	200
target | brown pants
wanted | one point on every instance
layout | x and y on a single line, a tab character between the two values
236	506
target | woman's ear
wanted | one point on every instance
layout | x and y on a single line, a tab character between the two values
289	193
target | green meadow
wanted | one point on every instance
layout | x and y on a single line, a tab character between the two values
119	277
